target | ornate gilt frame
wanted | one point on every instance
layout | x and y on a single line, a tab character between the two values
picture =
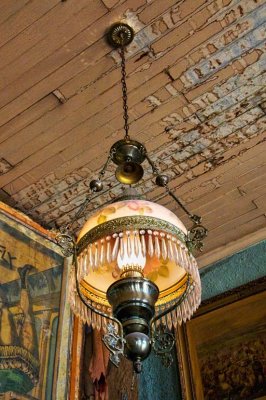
182	344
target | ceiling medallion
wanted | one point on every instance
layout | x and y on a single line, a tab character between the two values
133	272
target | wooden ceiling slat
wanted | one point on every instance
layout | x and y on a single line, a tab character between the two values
37	73
24	17
237	229
72	110
181	23
250	160
81	145
32	142
8	9
59	78
229	211
245	160
34	146
213	198
196	100
25	119
49	33
50	51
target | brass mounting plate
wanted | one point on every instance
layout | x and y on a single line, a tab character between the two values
128	151
120	34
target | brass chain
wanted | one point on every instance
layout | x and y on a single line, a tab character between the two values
124	91
67	226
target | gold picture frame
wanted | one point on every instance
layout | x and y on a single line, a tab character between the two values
222	350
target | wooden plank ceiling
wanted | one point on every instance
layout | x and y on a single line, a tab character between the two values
196	100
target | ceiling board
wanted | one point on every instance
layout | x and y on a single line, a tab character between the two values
196	87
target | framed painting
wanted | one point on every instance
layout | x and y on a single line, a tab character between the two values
222	350
33	337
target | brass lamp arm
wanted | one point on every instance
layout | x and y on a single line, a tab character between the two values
198	232
171	308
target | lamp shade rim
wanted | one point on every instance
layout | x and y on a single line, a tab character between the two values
130	208
125	223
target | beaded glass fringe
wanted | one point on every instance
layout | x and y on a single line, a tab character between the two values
148	242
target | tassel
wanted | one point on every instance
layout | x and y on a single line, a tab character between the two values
77	307
190	306
85	268
108	250
164	248
191	301
157	245
175	252
136	243
96	255
116	247
143	243
190	266
93	324
88	316
83	313
79	264
164	320
150	244
183	251
169	321
98	321
73	304
182	312
187	313
104	324
186	257
128	244
178	316
182	262
174	319
122	246
90	256
102	252
170	248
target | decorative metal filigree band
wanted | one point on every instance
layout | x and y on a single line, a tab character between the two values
114	343
125	223
196	234
163	343
66	242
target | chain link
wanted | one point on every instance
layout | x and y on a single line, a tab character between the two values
103	170
124	91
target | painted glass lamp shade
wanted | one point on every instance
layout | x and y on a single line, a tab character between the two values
135	238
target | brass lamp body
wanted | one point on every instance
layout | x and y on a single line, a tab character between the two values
133	302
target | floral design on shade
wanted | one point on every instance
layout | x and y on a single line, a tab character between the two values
155	268
103	214
137	205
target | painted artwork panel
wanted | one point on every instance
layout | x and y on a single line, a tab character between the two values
31	271
227	350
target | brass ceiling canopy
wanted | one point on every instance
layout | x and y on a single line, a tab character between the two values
133	264
128	155
120	34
